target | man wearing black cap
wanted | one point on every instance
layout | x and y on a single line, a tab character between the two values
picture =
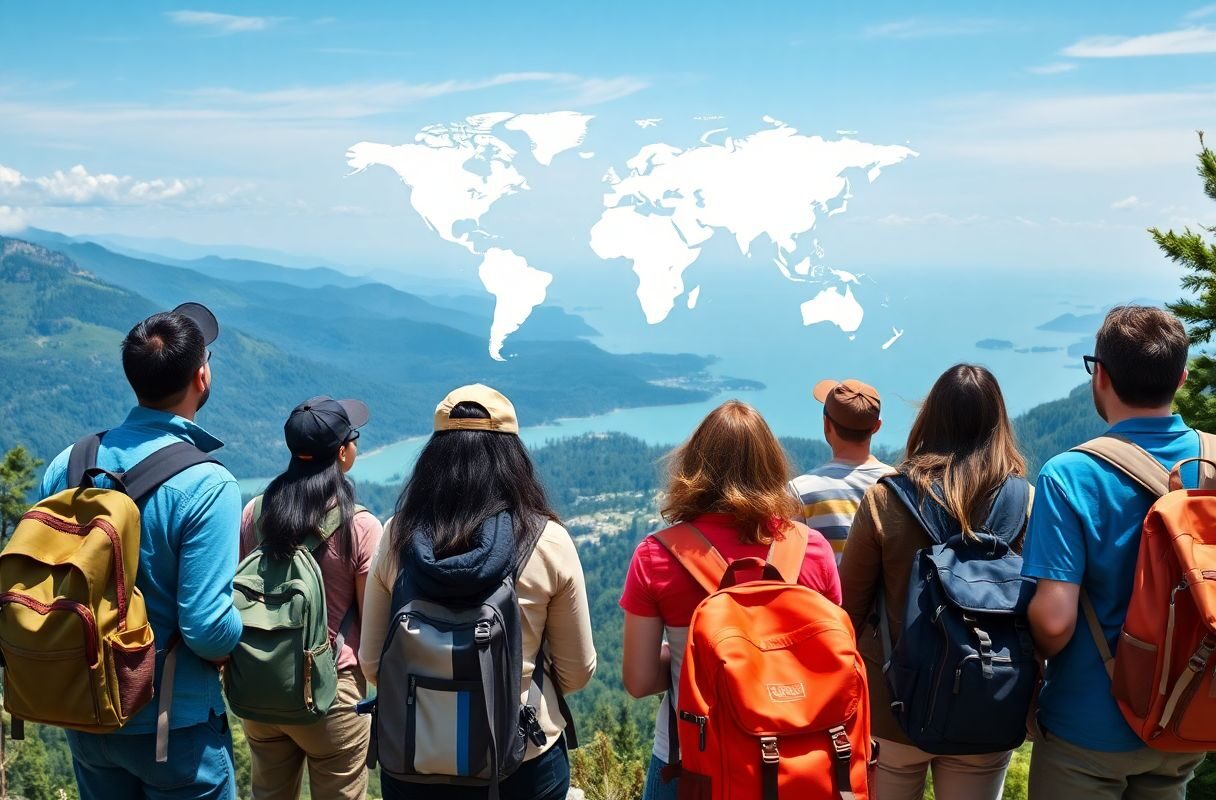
188	556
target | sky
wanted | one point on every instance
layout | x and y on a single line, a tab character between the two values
1050	135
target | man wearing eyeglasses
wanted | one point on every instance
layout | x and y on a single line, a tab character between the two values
179	744
1084	535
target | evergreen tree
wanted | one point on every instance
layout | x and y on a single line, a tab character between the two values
29	776
17	479
1197	400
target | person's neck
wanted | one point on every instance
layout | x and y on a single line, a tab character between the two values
1118	412
853	456
183	409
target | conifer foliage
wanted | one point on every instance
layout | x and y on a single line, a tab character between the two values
1196	251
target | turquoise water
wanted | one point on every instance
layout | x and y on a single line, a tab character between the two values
755	329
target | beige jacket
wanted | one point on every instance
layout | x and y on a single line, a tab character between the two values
553	602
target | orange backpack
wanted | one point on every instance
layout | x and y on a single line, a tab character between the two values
1162	672
773	701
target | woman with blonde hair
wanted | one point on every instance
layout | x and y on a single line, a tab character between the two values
728	482
961	453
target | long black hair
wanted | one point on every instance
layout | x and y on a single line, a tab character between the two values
464	477
297	501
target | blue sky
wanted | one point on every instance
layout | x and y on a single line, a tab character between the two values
1050	134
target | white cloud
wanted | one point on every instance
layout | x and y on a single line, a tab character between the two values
1201	12
920	28
1128	203
330	102
221	24
593	91
1077	132
11	219
79	187
1052	69
1186	41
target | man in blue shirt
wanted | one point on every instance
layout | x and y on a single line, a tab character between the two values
1084	534
189	541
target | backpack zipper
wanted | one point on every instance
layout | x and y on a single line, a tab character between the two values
941	669
120	578
80	609
701	722
958	671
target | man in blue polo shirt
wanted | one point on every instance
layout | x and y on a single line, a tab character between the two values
189	539
1084	534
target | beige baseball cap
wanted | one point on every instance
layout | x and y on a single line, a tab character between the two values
502	413
850	404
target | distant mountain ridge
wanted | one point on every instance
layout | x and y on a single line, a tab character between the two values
63	315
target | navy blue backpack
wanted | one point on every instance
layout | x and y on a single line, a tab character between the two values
963	673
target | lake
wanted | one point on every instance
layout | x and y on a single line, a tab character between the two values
755	329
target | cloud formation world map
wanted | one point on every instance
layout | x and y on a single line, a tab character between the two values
770	185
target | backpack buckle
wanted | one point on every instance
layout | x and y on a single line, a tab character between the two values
768	750
840	743
481	633
1199	660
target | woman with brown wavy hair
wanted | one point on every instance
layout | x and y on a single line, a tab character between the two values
729	481
962	443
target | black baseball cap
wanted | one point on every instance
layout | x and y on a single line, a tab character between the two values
320	425
201	316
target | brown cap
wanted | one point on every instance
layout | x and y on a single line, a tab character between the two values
502	413
850	404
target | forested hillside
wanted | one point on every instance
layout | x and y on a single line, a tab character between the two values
62	318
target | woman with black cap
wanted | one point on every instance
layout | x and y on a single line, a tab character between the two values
322	435
472	519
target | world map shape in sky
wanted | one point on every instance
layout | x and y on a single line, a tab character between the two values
772	184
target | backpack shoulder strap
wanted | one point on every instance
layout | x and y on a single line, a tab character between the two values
695	554
1131	459
1207	452
926	513
83	457
788	552
144	478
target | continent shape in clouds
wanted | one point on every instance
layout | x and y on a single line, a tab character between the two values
451	198
772	183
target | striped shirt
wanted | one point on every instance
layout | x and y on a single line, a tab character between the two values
831	494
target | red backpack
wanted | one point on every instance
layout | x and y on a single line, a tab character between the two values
1162	670
773	700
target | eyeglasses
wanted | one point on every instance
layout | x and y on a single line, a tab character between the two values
1090	361
354	437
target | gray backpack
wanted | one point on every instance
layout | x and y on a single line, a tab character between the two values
448	705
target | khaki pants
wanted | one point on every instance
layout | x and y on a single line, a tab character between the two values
902	770
335	748
1063	771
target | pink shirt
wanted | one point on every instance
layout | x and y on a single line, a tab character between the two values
339	574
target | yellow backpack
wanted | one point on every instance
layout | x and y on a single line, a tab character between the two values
75	640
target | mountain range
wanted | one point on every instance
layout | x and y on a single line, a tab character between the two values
287	334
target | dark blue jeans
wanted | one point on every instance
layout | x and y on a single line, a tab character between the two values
546	777
110	766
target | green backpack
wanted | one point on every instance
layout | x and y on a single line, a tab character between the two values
283	671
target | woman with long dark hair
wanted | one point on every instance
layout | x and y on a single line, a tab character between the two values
313	497
472	515
729	482
960	452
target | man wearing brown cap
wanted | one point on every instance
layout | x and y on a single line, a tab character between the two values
830	494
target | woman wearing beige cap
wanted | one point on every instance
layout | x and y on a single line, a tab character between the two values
961	450
476	619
